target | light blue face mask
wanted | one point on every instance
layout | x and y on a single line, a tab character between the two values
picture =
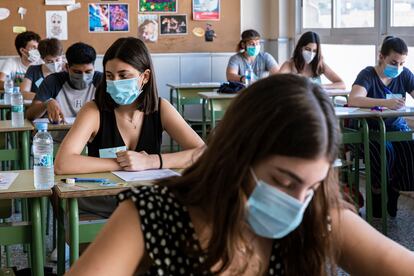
123	92
272	213
392	71
253	51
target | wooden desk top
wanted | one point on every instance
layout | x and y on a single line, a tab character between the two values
25	103
190	85
55	127
215	95
6	126
92	189
368	113
23	187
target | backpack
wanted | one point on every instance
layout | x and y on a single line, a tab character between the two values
231	87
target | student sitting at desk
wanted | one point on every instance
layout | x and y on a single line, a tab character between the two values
51	51
257	202
308	61
385	85
129	115
249	54
15	67
63	94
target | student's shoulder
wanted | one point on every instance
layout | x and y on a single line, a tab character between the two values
97	77
368	71
34	69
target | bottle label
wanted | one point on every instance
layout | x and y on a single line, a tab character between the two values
43	160
17	108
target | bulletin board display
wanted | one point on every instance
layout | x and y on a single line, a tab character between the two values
227	29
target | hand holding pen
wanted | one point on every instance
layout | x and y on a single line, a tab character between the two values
395	103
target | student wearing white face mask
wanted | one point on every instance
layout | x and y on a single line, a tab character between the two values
51	51
250	54
307	61
15	67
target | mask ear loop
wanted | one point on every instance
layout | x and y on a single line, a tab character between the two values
253	175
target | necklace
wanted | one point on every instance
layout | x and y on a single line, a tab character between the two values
132	120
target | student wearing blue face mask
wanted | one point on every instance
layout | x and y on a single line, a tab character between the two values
250	55
127	117
63	94
385	85
257	202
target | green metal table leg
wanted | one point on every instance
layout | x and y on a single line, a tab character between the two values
37	241
73	229
384	178
212	115
204	129
368	188
25	150
171	101
61	238
44	205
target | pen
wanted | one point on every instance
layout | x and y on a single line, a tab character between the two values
93	180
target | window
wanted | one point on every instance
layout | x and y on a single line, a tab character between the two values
402	13
354	14
317	13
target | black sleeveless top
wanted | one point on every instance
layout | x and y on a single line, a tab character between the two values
108	135
167	229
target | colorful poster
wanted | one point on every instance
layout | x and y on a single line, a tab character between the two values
118	18
98	17
148	27
173	24
57	24
206	9
157	5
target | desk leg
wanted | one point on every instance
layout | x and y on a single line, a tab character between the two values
25	150
45	224
384	178
204	126
365	132
73	230
61	238
171	101
212	115
37	241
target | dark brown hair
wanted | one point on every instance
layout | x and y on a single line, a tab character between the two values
23	38
281	115
50	47
317	63
392	43
133	51
246	36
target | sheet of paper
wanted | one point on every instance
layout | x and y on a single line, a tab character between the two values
19	29
73	7
110	152
4	13
57	24
68	120
409	101
145	175
345	110
6	179
22	11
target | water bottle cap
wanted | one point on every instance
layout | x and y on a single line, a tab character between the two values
41	126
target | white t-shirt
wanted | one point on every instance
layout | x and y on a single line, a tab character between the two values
15	68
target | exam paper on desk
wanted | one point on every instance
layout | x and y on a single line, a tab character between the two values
6	179
145	175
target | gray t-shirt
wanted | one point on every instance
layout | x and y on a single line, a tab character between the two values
261	64
70	99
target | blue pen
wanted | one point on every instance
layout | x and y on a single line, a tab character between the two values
93	180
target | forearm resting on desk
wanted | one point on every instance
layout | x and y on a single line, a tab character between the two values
76	163
361	101
36	110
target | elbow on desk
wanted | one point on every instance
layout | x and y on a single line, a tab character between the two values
59	167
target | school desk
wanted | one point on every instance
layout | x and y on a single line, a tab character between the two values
85	231
383	136
6	107
216	105
16	153
26	232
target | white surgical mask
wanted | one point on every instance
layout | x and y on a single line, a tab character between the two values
54	66
34	55
308	56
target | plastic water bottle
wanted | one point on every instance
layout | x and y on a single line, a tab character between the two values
17	108
44	177
8	89
249	75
